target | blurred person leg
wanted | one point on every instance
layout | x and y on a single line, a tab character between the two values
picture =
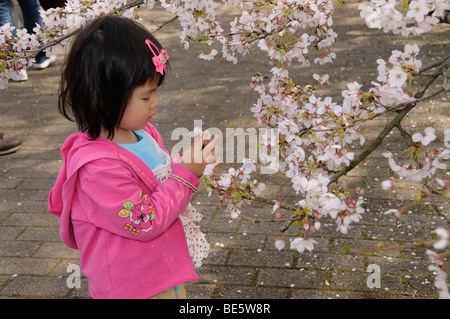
32	16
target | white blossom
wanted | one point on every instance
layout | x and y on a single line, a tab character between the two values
443	236
279	244
300	244
426	137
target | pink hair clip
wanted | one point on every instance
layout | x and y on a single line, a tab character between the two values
160	59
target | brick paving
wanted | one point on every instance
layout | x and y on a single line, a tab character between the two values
243	262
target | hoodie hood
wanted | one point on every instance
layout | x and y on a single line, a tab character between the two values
76	151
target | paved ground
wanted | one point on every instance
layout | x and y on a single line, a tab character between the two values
244	262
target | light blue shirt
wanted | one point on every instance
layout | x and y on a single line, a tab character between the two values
146	149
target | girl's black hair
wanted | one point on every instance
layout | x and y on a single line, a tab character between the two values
108	59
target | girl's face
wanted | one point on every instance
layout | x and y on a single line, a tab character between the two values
139	111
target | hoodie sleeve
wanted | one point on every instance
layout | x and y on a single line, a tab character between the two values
113	200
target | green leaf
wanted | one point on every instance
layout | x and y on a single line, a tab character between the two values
128	205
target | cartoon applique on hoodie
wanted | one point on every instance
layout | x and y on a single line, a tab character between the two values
124	222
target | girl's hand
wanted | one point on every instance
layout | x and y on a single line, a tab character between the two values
200	154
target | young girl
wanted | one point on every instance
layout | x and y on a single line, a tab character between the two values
119	195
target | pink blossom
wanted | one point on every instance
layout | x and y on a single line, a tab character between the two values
417	10
397	77
426	137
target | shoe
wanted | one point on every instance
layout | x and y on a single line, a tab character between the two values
9	145
45	64
19	76
446	17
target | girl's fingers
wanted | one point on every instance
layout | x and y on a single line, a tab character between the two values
198	142
211	157
196	148
210	147
202	151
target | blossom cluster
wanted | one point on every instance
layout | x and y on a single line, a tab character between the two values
275	27
234	187
395	75
272	26
198	22
403	17
417	165
315	137
14	51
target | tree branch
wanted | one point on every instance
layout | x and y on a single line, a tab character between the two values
159	27
377	142
55	42
406	136
445	85
432	66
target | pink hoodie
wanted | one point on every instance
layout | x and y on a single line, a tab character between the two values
124	223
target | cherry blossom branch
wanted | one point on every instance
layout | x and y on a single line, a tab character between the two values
432	192
287	222
269	202
377	142
128	6
374	116
159	27
256	220
433	65
440	71
74	32
55	42
393	123
398	107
